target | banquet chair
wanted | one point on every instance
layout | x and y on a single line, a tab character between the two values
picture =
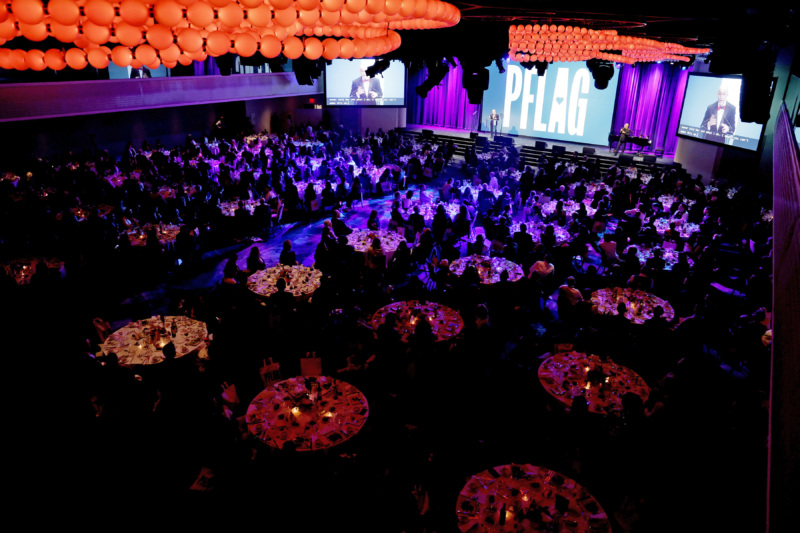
311	365
103	328
270	372
277	219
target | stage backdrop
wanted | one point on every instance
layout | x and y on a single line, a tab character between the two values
447	106
650	98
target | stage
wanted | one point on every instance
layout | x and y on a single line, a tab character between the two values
520	141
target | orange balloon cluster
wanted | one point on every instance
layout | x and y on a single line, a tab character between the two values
550	42
147	32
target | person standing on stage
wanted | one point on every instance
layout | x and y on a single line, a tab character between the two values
623	138
494	118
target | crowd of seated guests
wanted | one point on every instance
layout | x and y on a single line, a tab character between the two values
719	288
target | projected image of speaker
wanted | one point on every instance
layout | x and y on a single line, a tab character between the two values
427	134
588	151
540	145
625	159
559	150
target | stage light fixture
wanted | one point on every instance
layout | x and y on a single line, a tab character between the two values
499	62
378	68
602	71
475	82
435	77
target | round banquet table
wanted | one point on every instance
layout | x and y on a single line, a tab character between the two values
445	322
315	413
23	269
166	235
229	208
603	383
475	190
489	268
686	228
570	207
670	256
428	210
529	495
300	280
134	346
361	240
536	230
639	304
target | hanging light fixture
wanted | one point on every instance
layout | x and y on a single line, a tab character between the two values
550	43
169	32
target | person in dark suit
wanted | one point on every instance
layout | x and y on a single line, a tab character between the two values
624	133
141	72
364	88
720	117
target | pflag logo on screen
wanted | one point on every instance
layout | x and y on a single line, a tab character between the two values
560	104
567	106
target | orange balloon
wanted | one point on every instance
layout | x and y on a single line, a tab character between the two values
391	7
200	55
100	12
371	48
280	4
346	17
185	60
259	17
217	43
308	32
97	58
252	4
64	12
18	60
171	53
134	12
331	5
355	6
329	17
285	17
218	3
313	48
292	47
346	48
35	60
135	63
159	36
270	46
420	8
76	58
308	17
155	64
121	56
54	59
190	40
330	49
62	32
187	3
200	14
307	5
33	32
337	31
363	17
375	6
128	35
28	11
95	33
170	64
231	15
245	44
168	12
281	33
82	42
145	53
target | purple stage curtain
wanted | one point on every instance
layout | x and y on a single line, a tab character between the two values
650	99
206	68
446	106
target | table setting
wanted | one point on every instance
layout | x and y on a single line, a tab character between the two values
537	229
669	255
300	280
314	413
639	304
141	342
570	207
686	228
23	269
361	240
516	498
166	234
429	210
445	322
489	268
603	383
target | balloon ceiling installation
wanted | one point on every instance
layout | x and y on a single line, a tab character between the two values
139	32
549	43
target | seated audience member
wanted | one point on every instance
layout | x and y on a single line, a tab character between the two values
287	256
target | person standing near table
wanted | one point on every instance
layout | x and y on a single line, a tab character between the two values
623	138
494	118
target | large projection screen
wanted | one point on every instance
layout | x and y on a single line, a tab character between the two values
561	105
710	113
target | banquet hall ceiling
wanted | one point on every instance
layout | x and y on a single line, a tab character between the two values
726	29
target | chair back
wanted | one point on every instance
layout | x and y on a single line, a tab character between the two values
311	366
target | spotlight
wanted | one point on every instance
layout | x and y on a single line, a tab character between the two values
602	71
541	67
306	70
475	82
378	68
499	62
435	77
